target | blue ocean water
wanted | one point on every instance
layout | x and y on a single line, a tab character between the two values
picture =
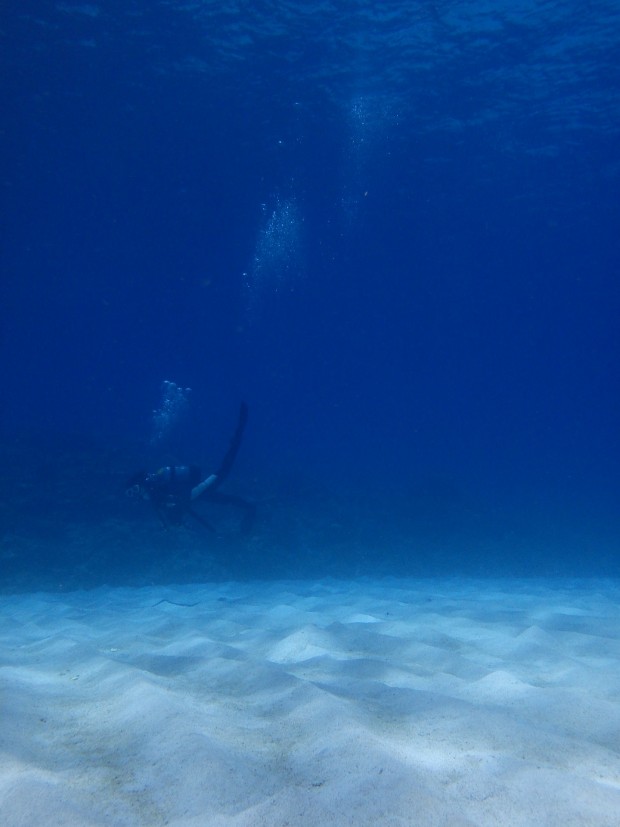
390	227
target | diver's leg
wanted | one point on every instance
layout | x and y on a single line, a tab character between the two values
201	520
199	489
230	499
215	480
163	517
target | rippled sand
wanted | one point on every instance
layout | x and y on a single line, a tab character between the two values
371	702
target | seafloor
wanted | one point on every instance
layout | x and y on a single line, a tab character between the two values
337	702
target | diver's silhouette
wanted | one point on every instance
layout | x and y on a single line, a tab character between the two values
174	488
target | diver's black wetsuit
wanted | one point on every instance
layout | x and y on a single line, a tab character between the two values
173	489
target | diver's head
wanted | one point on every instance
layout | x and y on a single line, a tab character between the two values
136	486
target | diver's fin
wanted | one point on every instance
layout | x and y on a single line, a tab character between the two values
235	442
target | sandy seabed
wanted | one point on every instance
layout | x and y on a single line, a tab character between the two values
361	702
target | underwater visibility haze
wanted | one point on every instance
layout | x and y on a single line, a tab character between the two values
309	437
391	228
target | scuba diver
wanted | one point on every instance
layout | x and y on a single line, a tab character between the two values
173	489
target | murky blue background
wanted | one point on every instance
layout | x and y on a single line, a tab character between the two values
391	227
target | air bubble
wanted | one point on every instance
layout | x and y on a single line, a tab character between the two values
174	403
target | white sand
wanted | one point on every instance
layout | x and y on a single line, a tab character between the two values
373	702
